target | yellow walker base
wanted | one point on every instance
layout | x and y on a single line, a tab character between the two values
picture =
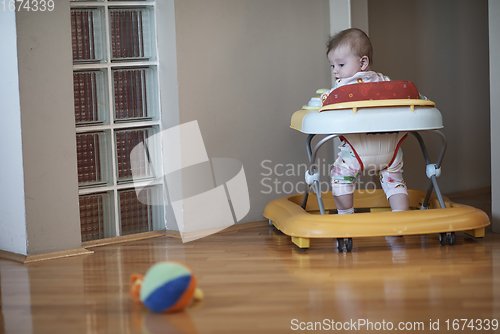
287	215
429	214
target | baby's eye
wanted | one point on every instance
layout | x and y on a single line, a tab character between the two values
333	66
341	65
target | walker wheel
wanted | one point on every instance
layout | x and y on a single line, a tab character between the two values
451	238
340	244
349	244
442	239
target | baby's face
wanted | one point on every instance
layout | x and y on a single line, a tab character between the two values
344	62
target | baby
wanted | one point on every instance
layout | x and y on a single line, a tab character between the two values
350	55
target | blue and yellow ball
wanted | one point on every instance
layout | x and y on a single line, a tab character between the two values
168	287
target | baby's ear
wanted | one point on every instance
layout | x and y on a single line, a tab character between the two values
365	63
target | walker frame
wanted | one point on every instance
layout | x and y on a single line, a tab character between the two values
433	213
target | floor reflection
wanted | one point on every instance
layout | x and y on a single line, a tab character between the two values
15	292
147	322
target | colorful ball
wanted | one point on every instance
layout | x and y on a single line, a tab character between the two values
167	287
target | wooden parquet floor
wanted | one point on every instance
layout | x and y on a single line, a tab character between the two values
257	281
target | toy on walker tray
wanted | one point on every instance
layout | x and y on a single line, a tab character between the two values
377	107
167	287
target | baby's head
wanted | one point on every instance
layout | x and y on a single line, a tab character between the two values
349	52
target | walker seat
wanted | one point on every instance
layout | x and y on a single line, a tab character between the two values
379	107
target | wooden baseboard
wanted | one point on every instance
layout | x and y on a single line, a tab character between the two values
25	259
125	238
12	256
244	226
167	233
467	193
232	228
173	234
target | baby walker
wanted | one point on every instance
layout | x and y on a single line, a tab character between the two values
379	107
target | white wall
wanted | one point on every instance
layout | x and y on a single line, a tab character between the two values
442	46
340	16
169	89
12	212
48	129
494	38
244	67
359	15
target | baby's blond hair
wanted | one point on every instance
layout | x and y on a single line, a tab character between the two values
358	41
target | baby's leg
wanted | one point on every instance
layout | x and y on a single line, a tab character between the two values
344	174
399	202
344	203
393	184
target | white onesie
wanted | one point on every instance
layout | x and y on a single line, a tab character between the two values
376	152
